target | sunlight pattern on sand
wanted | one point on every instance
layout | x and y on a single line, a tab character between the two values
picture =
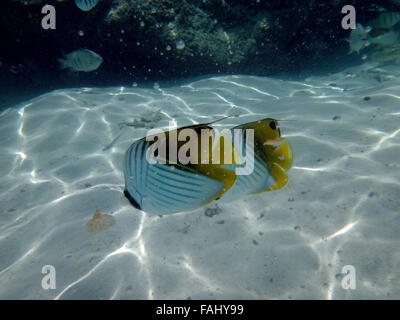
61	159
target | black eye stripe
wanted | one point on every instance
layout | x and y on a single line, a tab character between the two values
272	125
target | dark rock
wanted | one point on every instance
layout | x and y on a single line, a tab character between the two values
140	40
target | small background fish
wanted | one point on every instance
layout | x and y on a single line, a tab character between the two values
358	39
81	60
86	5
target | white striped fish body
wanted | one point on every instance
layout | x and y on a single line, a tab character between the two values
258	180
386	20
81	60
164	189
86	5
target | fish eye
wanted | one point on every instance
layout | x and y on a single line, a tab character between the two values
272	125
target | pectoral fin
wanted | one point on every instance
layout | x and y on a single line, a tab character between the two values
280	176
226	176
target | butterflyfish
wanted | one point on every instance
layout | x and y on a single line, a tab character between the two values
187	168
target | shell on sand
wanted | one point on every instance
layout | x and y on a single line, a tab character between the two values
99	222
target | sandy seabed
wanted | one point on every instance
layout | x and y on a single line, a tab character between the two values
61	158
